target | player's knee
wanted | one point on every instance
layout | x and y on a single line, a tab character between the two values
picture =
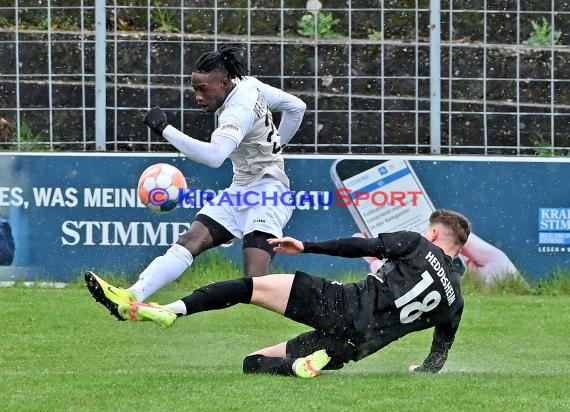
258	240
257	253
203	234
260	288
273	285
193	244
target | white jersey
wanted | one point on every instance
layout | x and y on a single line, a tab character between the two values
246	133
246	119
291	107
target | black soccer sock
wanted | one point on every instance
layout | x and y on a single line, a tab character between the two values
219	295
266	364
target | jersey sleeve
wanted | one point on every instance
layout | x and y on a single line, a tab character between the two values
443	337
210	154
234	123
291	107
399	244
386	245
350	247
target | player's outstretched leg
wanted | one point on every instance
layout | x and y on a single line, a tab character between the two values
108	295
153	312
310	366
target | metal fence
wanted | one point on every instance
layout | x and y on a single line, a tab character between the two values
455	77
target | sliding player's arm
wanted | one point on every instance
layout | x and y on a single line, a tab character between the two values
443	337
384	246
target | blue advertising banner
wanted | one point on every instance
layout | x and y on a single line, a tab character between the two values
69	213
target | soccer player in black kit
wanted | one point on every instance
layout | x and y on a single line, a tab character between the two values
417	288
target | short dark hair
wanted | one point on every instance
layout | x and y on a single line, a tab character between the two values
456	222
224	59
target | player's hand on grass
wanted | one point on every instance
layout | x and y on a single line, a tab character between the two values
288	245
420	369
156	120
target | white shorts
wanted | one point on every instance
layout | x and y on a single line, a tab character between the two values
241	210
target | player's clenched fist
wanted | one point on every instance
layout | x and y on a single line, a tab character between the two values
156	120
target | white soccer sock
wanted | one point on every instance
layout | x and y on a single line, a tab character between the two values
178	307
294	366
161	271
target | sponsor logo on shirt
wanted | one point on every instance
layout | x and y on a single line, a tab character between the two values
230	126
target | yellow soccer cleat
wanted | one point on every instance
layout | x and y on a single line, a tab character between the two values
153	312
108	295
310	366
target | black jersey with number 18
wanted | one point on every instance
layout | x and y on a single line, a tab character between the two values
417	288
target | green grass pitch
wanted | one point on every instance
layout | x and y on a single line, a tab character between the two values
60	351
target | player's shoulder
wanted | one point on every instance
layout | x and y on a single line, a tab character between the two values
402	236
248	84
245	93
249	81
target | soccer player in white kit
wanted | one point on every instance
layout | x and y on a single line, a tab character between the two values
247	135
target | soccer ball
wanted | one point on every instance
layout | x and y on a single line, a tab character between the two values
159	187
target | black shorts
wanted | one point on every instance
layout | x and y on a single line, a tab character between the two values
329	307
